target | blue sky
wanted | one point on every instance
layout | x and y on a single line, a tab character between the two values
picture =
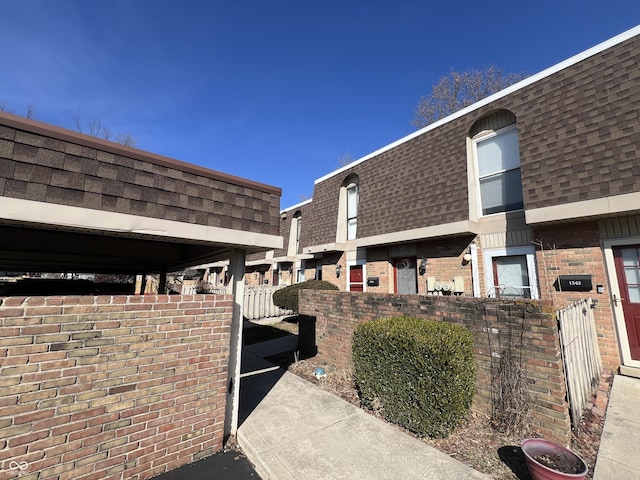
274	91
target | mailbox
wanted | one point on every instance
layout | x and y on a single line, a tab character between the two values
373	281
574	283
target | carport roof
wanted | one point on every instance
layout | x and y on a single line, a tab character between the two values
71	202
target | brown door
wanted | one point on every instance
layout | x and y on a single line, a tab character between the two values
355	278
627	261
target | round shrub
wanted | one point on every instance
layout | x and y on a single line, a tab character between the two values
287	297
420	374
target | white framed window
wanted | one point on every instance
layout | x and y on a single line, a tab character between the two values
511	273
352	210
498	165
298	229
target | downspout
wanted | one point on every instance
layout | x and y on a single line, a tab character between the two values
235	347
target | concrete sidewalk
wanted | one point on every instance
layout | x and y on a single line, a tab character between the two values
618	454
295	430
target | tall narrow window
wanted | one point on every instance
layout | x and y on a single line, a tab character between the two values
352	210
298	229
498	157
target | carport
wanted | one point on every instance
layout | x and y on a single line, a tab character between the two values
74	203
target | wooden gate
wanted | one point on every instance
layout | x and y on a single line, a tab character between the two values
581	354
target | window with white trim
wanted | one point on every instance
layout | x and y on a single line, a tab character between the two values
352	210
498	165
511	273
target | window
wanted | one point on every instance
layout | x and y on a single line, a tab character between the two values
498	161
294	235
510	277
352	211
347	220
511	273
300	272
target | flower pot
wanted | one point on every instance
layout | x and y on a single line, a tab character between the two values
550	461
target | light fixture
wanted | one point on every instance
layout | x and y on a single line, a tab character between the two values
423	266
466	258
338	269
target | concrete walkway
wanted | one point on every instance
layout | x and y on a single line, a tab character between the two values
618	454
290	429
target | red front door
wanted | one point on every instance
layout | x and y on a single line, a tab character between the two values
356	284
627	261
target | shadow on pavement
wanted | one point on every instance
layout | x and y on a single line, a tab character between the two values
263	364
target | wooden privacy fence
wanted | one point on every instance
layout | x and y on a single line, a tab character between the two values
580	353
258	303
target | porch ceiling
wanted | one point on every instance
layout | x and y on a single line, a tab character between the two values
40	250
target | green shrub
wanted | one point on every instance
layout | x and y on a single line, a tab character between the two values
420	374
287	297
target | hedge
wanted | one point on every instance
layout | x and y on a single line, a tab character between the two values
287	297
420	374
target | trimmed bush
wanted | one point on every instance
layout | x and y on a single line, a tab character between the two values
287	297
419	374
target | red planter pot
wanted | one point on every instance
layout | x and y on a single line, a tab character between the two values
550	461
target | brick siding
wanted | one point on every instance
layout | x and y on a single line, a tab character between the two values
495	326
111	387
574	249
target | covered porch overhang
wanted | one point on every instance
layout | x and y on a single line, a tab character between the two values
74	203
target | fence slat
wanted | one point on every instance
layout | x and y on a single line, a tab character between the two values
581	354
258	303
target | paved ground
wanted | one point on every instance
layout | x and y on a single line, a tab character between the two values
223	466
618	455
290	429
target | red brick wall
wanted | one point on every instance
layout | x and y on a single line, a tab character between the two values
111	387
574	249
495	326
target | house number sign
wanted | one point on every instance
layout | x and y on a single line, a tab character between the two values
575	283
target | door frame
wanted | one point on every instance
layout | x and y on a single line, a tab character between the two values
614	289
395	262
353	263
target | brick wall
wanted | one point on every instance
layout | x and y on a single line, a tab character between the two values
495	327
574	249
111	387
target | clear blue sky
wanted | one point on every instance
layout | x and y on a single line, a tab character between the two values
273	90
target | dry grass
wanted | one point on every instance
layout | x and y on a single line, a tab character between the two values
475	443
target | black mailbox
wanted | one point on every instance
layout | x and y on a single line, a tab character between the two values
574	283
373	281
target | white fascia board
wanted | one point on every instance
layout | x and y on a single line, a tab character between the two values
618	204
502	93
54	215
416	234
297	205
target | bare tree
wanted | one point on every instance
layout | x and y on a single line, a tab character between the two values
458	90
126	139
95	128
345	159
31	111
